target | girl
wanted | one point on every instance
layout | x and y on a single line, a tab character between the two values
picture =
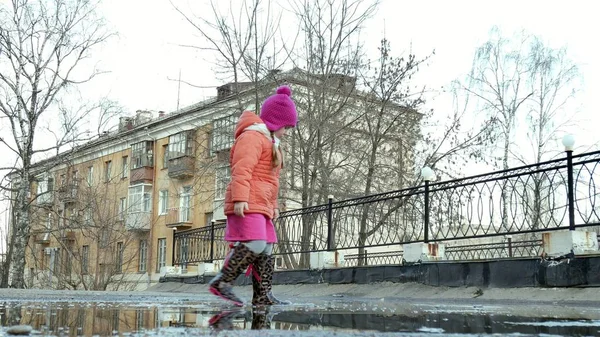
251	198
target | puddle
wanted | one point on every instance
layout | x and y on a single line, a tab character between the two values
147	319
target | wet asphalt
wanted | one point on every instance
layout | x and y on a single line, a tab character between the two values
314	313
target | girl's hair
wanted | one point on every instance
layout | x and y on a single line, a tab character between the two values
276	154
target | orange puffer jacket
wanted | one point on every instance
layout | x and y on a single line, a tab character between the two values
253	178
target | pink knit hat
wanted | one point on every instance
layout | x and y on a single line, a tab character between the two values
279	110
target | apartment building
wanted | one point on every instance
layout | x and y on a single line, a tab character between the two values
104	215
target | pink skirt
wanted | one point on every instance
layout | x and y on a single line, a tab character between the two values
251	227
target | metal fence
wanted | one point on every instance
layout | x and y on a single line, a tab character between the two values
554	195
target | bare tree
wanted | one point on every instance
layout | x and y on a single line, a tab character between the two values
498	80
326	67
523	85
390	126
552	79
243	40
43	49
93	238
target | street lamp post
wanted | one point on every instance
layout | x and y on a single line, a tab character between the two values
568	142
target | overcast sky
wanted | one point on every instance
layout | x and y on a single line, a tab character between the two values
146	53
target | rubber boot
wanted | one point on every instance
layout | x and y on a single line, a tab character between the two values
224	320
239	258
262	281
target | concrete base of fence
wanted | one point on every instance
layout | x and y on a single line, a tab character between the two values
423	252
576	242
326	260
568	272
205	268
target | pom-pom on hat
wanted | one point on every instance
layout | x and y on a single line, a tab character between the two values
279	110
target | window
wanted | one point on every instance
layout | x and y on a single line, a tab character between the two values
61	219
141	154
87	216
165	156
163	202
223	175
56	262
90	176
143	255
139	320
107	170
162	254
104	237
85	259
209	219
115	320
185	204
73	220
209	145
49	221
44	189
119	261
140	199
124	167
122	208
68	263
180	145
222	134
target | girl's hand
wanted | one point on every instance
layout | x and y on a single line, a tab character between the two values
275	214
239	208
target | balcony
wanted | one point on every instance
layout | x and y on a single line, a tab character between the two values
144	174
181	167
179	217
138	221
68	193
42	238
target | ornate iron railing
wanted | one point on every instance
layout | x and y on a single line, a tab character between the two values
554	195
374	259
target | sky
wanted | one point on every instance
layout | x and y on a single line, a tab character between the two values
146	56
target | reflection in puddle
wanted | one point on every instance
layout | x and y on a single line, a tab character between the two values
88	319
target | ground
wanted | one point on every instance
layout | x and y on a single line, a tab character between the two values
383	299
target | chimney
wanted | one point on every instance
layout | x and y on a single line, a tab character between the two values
224	91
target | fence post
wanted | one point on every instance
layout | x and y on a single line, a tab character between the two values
510	250
426	229
330	222
427	174
568	142
212	241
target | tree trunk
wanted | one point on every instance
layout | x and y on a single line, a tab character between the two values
363	235
8	258
504	197
20	232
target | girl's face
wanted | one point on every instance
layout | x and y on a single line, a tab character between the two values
281	132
